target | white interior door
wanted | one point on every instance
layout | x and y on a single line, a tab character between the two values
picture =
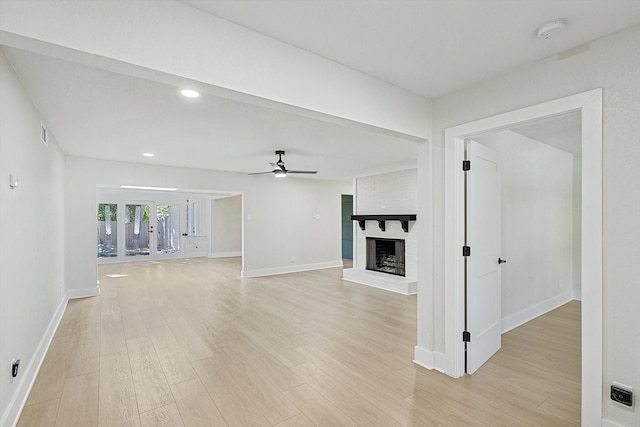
483	290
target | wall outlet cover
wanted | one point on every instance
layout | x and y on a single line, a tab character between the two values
622	394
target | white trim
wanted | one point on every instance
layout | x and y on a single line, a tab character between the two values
429	359
290	269
19	398
522	317
225	254
609	423
378	280
82	293
30	373
147	258
590	105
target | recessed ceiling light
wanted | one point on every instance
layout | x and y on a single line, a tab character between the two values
544	30
189	93
148	154
140	187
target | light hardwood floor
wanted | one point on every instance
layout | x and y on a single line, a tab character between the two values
187	342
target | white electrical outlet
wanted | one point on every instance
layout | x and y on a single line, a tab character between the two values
15	368
44	135
621	393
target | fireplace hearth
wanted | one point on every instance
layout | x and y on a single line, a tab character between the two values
386	255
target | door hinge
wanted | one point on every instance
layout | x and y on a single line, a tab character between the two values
466	165
466	251
466	336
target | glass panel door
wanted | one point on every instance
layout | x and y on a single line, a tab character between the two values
138	229
107	232
168	229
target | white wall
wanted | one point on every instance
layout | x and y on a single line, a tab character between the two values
226	226
31	240
537	226
278	221
612	63
387	193
280	224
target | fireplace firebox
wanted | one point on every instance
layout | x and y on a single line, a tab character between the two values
385	255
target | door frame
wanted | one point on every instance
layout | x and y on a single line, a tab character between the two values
589	103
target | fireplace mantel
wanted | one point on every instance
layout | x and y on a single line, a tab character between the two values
404	220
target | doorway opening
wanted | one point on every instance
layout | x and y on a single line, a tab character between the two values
347	230
142	225
589	106
522	206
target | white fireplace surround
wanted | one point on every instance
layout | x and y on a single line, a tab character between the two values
405	285
392	193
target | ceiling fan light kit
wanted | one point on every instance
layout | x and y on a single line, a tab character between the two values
279	170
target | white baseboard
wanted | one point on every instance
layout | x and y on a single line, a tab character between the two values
522	317
577	295
384	281
82	293
225	254
429	359
29	374
290	269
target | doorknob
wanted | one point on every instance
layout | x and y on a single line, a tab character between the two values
501	261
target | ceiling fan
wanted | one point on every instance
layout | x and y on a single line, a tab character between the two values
279	170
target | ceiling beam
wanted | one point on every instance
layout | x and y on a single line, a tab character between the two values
168	41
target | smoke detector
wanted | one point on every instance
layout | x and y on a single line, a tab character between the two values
544	31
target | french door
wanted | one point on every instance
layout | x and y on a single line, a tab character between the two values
167	229
138	229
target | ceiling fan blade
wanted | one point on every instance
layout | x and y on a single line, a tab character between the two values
277	167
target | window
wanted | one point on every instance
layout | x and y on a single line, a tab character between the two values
193	217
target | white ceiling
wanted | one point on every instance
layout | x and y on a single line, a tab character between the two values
101	114
430	47
563	131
